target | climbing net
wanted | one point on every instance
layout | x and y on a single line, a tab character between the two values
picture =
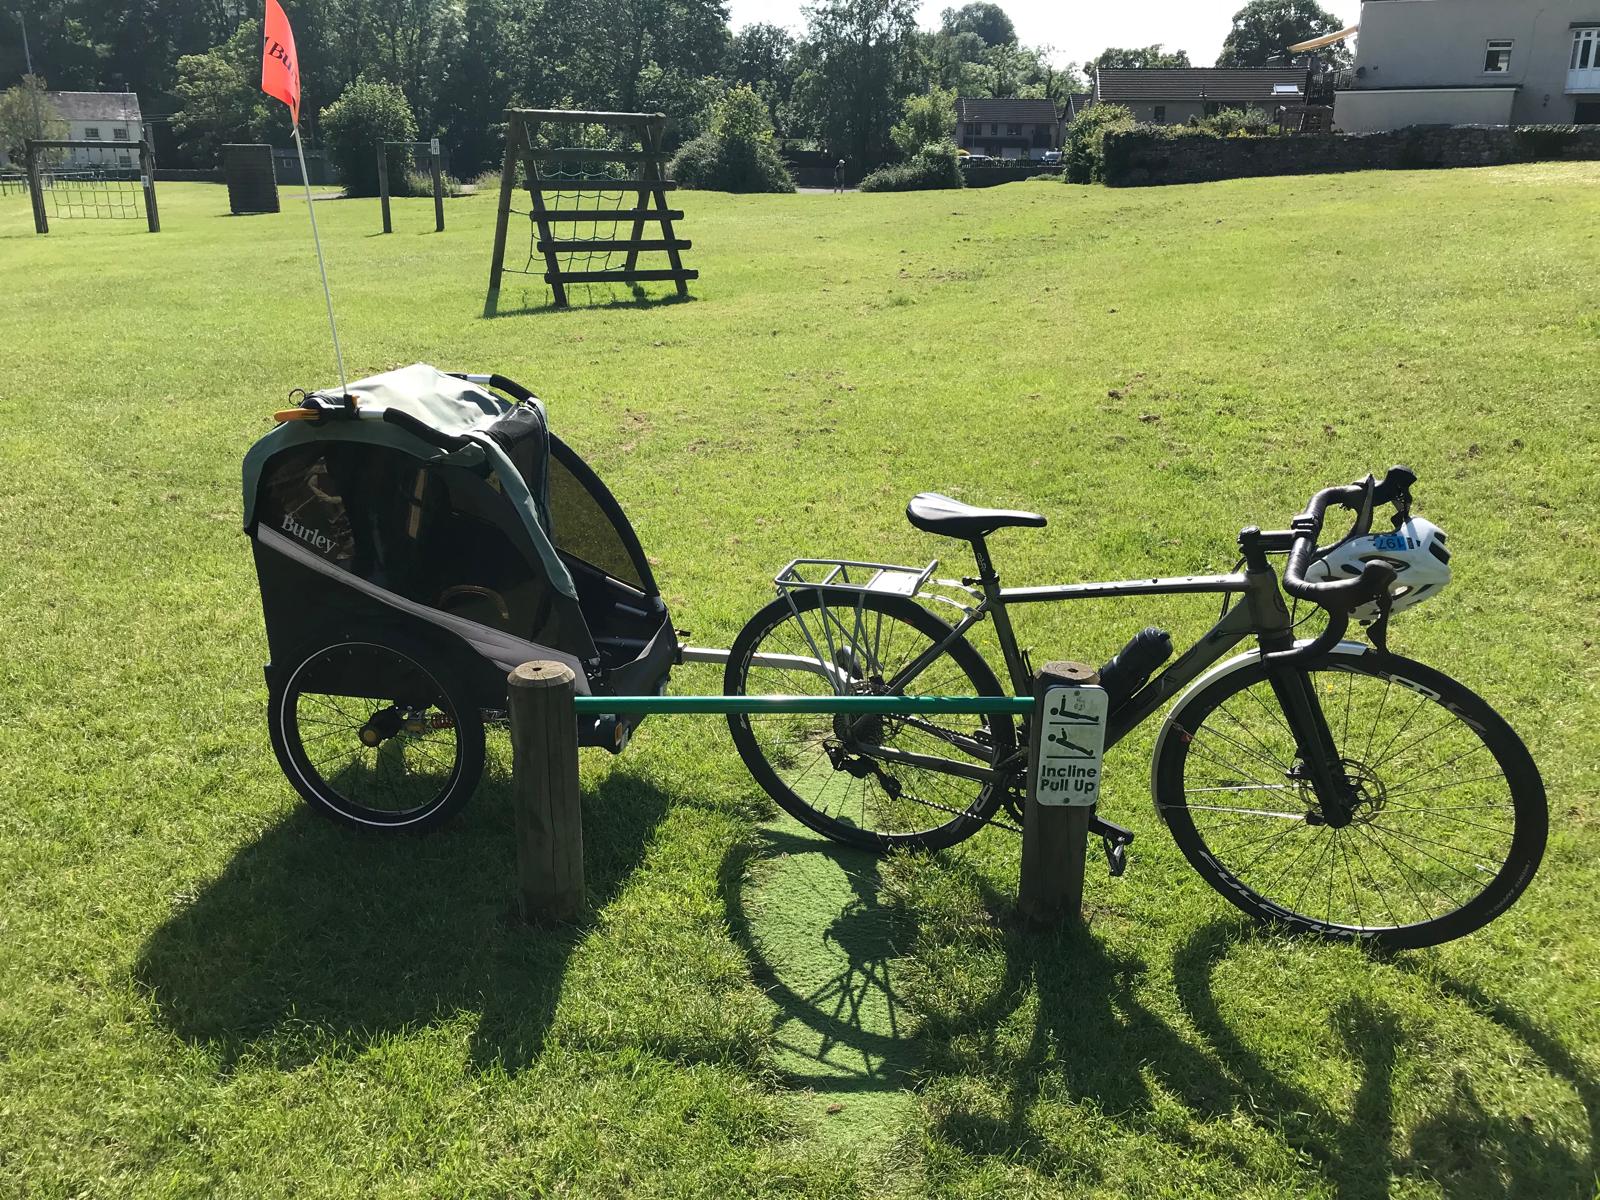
93	193
588	236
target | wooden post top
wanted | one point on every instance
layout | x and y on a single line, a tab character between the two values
1068	672
541	674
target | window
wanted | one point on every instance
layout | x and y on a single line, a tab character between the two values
91	133
124	161
1586	112
1160	114
994	131
1497	56
1585	52
1013	130
119	134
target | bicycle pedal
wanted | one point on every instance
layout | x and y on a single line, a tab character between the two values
1114	840
1116	856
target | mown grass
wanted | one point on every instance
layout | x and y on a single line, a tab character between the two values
205	991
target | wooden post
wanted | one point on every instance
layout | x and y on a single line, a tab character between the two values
41	223
147	179
544	791
508	175
383	183
1054	837
438	186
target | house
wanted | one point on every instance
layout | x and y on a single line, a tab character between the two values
1473	62
1076	102
1172	95
1007	128
100	117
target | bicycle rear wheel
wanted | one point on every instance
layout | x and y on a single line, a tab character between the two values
1449	819
837	774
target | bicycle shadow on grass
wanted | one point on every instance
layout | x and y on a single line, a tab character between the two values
319	940
1093	1039
822	946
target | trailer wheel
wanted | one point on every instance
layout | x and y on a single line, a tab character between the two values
376	734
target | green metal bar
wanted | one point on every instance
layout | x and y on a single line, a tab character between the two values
894	705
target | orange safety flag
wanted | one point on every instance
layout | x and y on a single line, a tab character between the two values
280	67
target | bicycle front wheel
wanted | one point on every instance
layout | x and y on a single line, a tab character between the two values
875	782
1448	819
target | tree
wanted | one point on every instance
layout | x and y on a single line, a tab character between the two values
1263	31
988	21
862	50
368	112
764	58
1083	152
1140	58
26	112
220	98
736	153
925	120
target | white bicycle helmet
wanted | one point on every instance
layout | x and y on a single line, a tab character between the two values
1416	551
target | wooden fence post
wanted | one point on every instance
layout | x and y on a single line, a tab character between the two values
383	183
147	180
438	186
1055	835
41	223
544	791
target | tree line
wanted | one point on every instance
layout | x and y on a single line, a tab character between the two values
841	84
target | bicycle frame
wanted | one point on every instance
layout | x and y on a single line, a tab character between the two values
1261	613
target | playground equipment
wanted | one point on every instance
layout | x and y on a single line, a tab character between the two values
116	183
435	171
577	197
422	536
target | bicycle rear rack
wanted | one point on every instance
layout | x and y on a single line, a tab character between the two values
845	650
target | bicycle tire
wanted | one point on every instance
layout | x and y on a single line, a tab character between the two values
964	820
341	777
1414	845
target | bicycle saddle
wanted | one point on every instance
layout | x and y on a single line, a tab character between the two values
933	513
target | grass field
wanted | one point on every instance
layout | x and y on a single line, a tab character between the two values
204	990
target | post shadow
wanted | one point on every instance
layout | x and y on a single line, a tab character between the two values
317	939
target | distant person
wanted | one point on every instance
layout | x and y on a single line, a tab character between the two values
838	176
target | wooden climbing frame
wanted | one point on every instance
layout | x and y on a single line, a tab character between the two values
542	174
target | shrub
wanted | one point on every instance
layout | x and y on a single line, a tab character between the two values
419	182
935	166
1236	122
1084	153
370	111
736	153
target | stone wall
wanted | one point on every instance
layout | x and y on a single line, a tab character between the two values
1139	157
992	173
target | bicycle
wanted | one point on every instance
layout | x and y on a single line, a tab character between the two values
1327	785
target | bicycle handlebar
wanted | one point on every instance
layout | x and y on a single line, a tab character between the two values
1340	596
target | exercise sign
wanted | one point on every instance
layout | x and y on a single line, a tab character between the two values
1072	738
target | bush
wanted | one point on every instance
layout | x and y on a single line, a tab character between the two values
1085	153
370	111
935	166
736	153
419	182
1238	122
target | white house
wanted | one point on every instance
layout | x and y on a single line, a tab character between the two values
1473	62
101	117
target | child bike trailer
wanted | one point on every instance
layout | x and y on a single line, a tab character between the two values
415	540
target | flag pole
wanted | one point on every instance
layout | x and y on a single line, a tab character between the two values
305	178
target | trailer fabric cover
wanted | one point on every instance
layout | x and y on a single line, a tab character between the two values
447	404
